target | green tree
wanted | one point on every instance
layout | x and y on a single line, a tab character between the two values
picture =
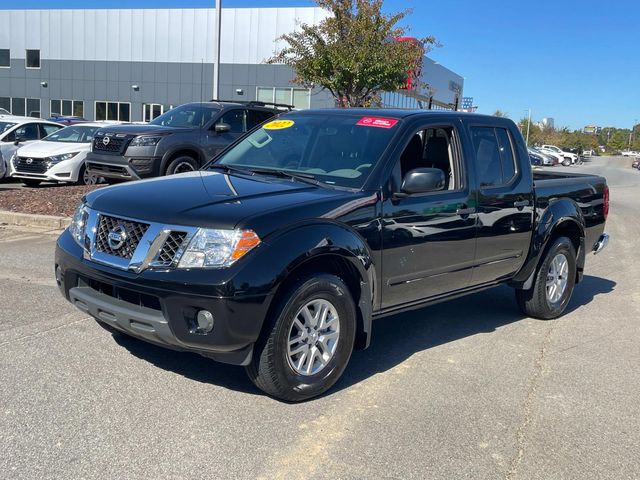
619	140
353	52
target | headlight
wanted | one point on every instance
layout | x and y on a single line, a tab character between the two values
61	158
145	141
78	223
217	248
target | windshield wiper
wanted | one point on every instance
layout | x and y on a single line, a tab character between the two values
229	169
301	177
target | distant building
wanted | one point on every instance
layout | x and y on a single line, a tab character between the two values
592	129
546	123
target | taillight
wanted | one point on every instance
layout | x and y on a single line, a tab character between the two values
606	202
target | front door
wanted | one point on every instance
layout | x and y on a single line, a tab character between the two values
216	142
428	239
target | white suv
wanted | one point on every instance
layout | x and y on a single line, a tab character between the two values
569	158
18	131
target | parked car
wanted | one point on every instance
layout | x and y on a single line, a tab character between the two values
537	159
4	112
279	253
58	157
588	153
547	160
567	158
180	140
67	119
630	153
550	158
636	163
19	131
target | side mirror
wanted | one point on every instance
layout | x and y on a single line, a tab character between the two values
423	180
222	128
18	140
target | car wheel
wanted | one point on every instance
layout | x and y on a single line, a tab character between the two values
307	342
554	282
27	182
85	177
182	164
566	162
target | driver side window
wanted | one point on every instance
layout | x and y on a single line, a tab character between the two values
433	147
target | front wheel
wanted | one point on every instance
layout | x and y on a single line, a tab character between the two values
85	177
182	164
554	282
307	343
566	162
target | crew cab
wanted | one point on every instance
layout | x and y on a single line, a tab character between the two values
279	253
180	140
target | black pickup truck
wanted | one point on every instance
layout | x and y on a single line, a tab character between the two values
279	253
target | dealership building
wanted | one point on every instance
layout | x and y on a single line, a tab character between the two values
134	64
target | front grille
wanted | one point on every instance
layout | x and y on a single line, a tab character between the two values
133	231
115	145
122	294
37	165
170	249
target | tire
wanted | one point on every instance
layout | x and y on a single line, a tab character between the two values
86	178
27	182
282	373
182	164
566	162
541	301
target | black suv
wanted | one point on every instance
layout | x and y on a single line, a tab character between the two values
180	140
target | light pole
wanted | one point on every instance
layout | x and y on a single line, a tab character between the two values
216	50
528	127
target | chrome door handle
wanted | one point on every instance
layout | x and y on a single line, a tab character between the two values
521	203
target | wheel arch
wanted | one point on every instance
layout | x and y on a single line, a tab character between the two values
187	150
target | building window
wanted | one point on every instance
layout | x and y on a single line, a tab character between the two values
298	97
67	108
118	111
5	103
33	59
18	106
5	60
33	107
153	110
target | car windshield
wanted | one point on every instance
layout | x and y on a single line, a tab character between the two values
186	116
73	134
4	126
338	150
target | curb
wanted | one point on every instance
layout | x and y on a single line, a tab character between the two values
32	220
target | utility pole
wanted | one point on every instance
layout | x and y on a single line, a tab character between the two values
216	50
528	127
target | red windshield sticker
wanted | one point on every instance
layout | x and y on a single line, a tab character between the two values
377	122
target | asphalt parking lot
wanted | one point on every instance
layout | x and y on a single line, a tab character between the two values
465	389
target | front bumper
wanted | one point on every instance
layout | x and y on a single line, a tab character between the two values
65	171
160	307
123	167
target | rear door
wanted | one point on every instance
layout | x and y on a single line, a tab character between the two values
429	238
505	201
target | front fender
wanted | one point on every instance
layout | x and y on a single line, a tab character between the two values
560	213
283	253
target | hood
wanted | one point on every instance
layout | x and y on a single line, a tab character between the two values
140	129
42	149
212	199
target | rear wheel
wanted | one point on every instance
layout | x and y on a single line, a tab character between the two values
553	284
182	164
307	343
28	182
566	162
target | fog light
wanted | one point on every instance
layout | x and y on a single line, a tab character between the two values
205	321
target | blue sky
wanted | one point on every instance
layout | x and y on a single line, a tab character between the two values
575	61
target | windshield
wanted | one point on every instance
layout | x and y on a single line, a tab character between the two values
186	116
334	149
73	134
4	126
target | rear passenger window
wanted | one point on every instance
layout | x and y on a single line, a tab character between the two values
256	117
494	156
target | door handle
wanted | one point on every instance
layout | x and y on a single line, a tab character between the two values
465	211
521	203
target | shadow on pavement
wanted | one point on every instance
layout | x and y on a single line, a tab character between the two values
394	340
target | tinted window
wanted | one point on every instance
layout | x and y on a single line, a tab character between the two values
494	156
235	119
256	117
187	116
26	132
33	58
4	57
4	126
